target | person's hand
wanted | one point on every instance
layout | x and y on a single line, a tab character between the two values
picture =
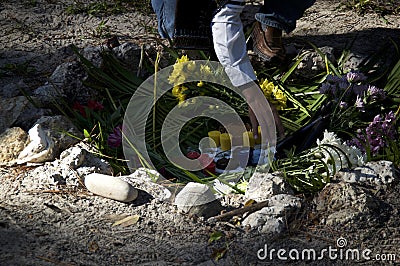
251	92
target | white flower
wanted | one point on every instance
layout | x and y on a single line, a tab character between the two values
341	155
222	188
329	138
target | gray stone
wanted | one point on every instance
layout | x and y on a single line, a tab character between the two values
110	187
198	199
65	81
74	164
378	174
30	115
313	63
347	203
73	157
93	164
61	130
129	54
264	185
13	89
273	219
385	170
39	149
47	176
10	110
12	142
354	61
93	54
48	94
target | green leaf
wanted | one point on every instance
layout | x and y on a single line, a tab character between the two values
214	236
86	134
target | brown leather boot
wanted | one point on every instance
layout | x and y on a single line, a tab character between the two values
268	44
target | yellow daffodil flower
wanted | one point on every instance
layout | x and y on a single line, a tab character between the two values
273	94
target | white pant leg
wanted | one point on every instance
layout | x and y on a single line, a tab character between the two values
230	45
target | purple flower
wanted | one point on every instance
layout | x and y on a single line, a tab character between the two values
359	102
343	105
115	138
376	93
378	132
377	119
353	77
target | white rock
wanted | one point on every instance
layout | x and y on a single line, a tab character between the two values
273	219
194	194
110	187
196	198
264	185
73	157
378	174
39	149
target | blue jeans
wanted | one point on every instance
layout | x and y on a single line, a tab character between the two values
282	14
165	11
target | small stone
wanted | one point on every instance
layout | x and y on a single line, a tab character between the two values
198	199
73	157
93	54
13	89
385	171
264	185
65	81
129	54
92	164
61	130
273	219
12	142
110	187
378	174
312	61
40	148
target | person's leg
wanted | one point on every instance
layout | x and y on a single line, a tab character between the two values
165	11
282	14
230	44
273	18
230	48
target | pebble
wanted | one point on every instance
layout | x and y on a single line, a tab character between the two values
110	187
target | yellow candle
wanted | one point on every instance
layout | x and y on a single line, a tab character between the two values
258	140
214	135
225	140
248	139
